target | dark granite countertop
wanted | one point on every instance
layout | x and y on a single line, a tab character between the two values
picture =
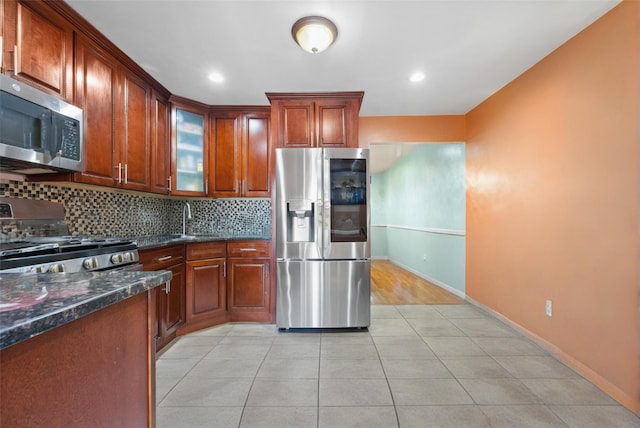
148	242
33	304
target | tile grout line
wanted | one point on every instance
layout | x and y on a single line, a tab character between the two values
386	378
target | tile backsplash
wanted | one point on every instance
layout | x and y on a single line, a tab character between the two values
96	212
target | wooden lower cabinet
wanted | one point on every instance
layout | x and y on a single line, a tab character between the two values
96	371
206	285
249	284
213	283
170	298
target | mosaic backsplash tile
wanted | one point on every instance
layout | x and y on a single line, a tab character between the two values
104	213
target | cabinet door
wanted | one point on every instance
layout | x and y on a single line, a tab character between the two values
173	304
256	155
327	119
225	154
95	93
133	157
296	123
249	289
189	130
206	289
160	156
155	315
43	47
337	123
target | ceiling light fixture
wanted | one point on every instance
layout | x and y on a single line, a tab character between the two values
216	77
417	77
314	33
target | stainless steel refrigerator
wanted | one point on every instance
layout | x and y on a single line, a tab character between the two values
322	238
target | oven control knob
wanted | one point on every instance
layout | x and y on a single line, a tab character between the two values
40	269
90	263
116	259
126	257
56	268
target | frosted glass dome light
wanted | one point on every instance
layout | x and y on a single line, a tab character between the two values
314	34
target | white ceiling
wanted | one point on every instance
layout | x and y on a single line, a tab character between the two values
467	49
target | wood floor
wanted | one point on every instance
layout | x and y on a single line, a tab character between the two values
392	285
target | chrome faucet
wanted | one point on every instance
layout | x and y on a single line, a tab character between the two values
186	215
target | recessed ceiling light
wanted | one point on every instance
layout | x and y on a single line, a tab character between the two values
418	76
216	77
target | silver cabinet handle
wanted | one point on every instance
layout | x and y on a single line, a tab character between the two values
224	268
248	249
164	258
126	175
1	53
167	287
169	180
119	172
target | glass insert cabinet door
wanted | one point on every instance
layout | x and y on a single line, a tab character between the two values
348	181
189	151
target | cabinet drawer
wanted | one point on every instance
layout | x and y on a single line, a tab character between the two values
248	248
162	258
206	250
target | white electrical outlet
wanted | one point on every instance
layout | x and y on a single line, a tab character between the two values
424	257
549	308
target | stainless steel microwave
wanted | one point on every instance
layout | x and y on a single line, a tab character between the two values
39	133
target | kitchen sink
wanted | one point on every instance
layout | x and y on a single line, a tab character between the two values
190	236
181	236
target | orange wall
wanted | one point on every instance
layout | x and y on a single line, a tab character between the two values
552	202
407	129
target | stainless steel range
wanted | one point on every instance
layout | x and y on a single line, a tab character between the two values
34	241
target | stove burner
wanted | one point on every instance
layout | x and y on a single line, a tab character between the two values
66	254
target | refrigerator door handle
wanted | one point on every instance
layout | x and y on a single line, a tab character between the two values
320	227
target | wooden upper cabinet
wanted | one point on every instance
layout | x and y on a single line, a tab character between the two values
116	120
160	153
95	87
38	47
296	123
224	149
240	152
336	122
132	122
256	156
189	136
315	119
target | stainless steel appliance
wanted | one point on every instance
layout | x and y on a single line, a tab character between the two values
322	238
40	133
43	249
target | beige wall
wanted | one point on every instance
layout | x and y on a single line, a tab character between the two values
407	129
552	202
553	198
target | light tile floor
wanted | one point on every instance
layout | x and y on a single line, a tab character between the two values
416	366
